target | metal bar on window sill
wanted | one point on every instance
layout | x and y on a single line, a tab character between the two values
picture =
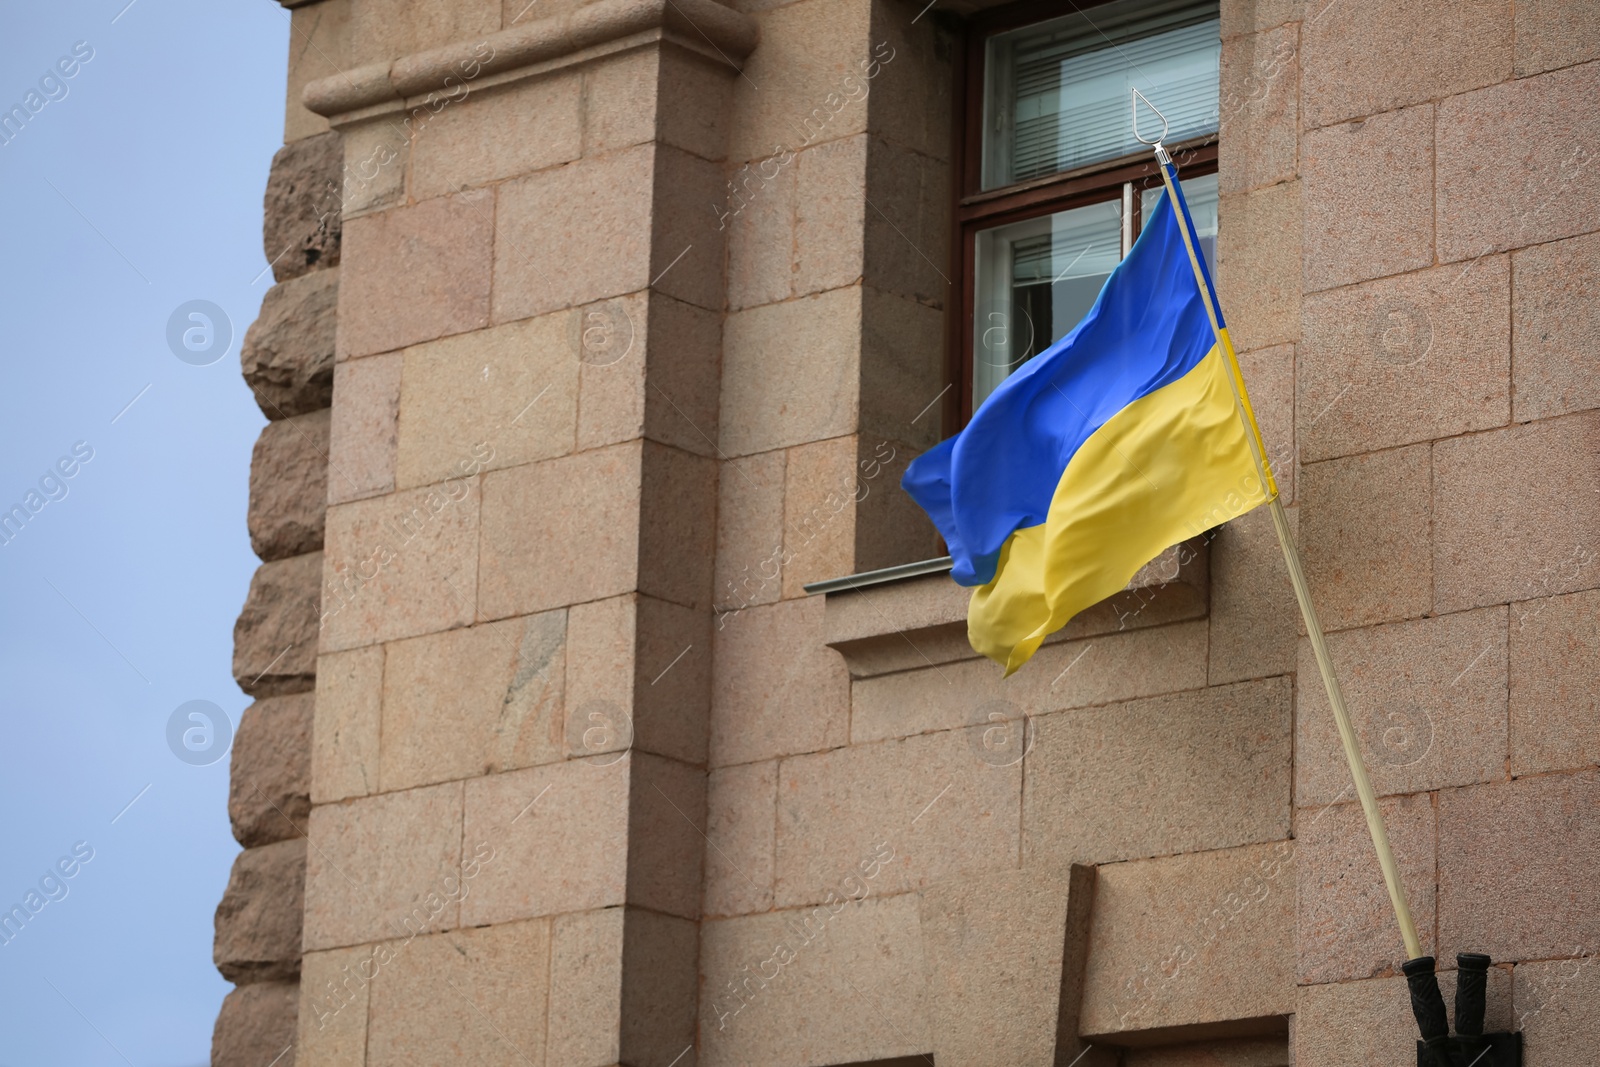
878	577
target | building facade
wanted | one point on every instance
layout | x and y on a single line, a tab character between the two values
601	331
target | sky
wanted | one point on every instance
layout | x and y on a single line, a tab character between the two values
135	189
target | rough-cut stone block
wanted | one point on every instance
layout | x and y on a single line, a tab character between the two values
776	689
789	372
303	210
904	233
1364	532
378	31
319	46
1555	33
741	805
473	701
1554	321
384	866
559	835
289	486
819	511
400	565
757	209
1200	938
560	532
943	811
1555	683
344	751
677	529
1406	359
498	133
605	211
666	835
1365	56
362	436
257	1023
1016	939
335	988
750	529
586	988
850	990
1345	926
269	795
1204	770
275	637
1066	675
1516	863
484	400
1258	265
258	921
473	996
1515	513
287	353
415	273
1515	166
1427	699
1259	109
1555	1010
1367	189
1254	619
809	70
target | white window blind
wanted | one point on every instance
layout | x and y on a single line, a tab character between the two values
1057	92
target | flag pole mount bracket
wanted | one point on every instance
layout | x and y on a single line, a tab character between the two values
1469	1046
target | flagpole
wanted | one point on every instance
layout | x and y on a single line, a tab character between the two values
1302	592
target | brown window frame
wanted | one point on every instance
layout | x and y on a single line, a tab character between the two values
976	209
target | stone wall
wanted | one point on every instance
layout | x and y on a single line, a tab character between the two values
287	359
643	313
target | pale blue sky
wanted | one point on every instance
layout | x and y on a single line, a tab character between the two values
161	145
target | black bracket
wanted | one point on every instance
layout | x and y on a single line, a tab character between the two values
1486	1050
1470	1046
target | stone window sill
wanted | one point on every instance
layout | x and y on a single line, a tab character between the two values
911	616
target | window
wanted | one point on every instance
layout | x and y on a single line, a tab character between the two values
1053	182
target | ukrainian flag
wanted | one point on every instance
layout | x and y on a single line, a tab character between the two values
1118	441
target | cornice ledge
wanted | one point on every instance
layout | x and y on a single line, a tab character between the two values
731	33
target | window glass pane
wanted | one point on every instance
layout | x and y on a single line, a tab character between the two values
1201	195
1057	93
1035	281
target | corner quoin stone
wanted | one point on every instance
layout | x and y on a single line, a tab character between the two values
304	206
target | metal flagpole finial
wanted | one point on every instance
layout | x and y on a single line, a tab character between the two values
1161	152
